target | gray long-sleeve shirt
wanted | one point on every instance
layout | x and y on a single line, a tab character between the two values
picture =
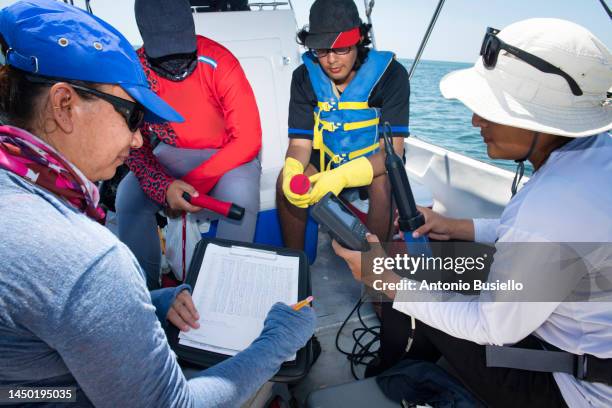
74	310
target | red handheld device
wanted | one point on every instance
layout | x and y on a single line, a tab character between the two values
229	210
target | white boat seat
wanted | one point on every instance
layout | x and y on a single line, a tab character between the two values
356	394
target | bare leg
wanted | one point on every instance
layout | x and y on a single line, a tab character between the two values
292	218
379	193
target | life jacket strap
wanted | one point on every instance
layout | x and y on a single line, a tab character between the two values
365	150
325	106
353	105
338	159
319	126
360	125
333	158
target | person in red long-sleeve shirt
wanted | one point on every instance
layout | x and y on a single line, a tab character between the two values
215	151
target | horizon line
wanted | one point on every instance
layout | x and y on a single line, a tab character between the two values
435	60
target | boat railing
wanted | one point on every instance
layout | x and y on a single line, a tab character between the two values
274	5
203	7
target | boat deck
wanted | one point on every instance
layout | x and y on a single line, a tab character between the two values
336	292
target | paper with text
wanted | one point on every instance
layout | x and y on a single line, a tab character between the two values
235	289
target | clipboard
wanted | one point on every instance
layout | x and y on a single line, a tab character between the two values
290	371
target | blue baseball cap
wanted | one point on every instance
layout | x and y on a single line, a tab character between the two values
53	39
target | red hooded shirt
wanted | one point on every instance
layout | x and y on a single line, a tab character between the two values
220	112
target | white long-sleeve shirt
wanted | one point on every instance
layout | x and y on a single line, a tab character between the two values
568	200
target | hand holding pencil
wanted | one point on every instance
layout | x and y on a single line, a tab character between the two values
289	329
302	303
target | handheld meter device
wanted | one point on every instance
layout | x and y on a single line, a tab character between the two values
342	224
410	218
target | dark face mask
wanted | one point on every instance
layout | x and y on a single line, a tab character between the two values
174	67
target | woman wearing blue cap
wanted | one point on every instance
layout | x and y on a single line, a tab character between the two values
75	308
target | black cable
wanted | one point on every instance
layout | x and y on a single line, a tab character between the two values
360	350
520	168
344	324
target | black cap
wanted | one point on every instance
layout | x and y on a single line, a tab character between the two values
333	24
166	27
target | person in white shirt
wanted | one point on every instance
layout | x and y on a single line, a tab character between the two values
538	93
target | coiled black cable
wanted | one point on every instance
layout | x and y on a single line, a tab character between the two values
360	350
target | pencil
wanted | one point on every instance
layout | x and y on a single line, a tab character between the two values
302	303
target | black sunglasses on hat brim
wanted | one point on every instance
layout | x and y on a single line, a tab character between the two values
492	45
132	112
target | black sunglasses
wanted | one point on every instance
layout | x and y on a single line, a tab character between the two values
492	45
323	52
132	112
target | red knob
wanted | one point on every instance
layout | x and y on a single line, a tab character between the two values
299	184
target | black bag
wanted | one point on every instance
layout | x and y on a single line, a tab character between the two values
415	382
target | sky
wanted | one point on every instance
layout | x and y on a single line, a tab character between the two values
399	25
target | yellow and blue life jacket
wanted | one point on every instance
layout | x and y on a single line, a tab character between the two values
346	127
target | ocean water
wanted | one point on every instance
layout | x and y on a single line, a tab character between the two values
443	122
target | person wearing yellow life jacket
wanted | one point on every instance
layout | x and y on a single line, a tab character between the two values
340	97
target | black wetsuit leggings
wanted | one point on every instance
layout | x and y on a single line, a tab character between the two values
495	387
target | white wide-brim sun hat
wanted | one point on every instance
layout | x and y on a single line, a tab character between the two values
516	94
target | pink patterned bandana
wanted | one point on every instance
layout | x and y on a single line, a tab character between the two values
29	157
